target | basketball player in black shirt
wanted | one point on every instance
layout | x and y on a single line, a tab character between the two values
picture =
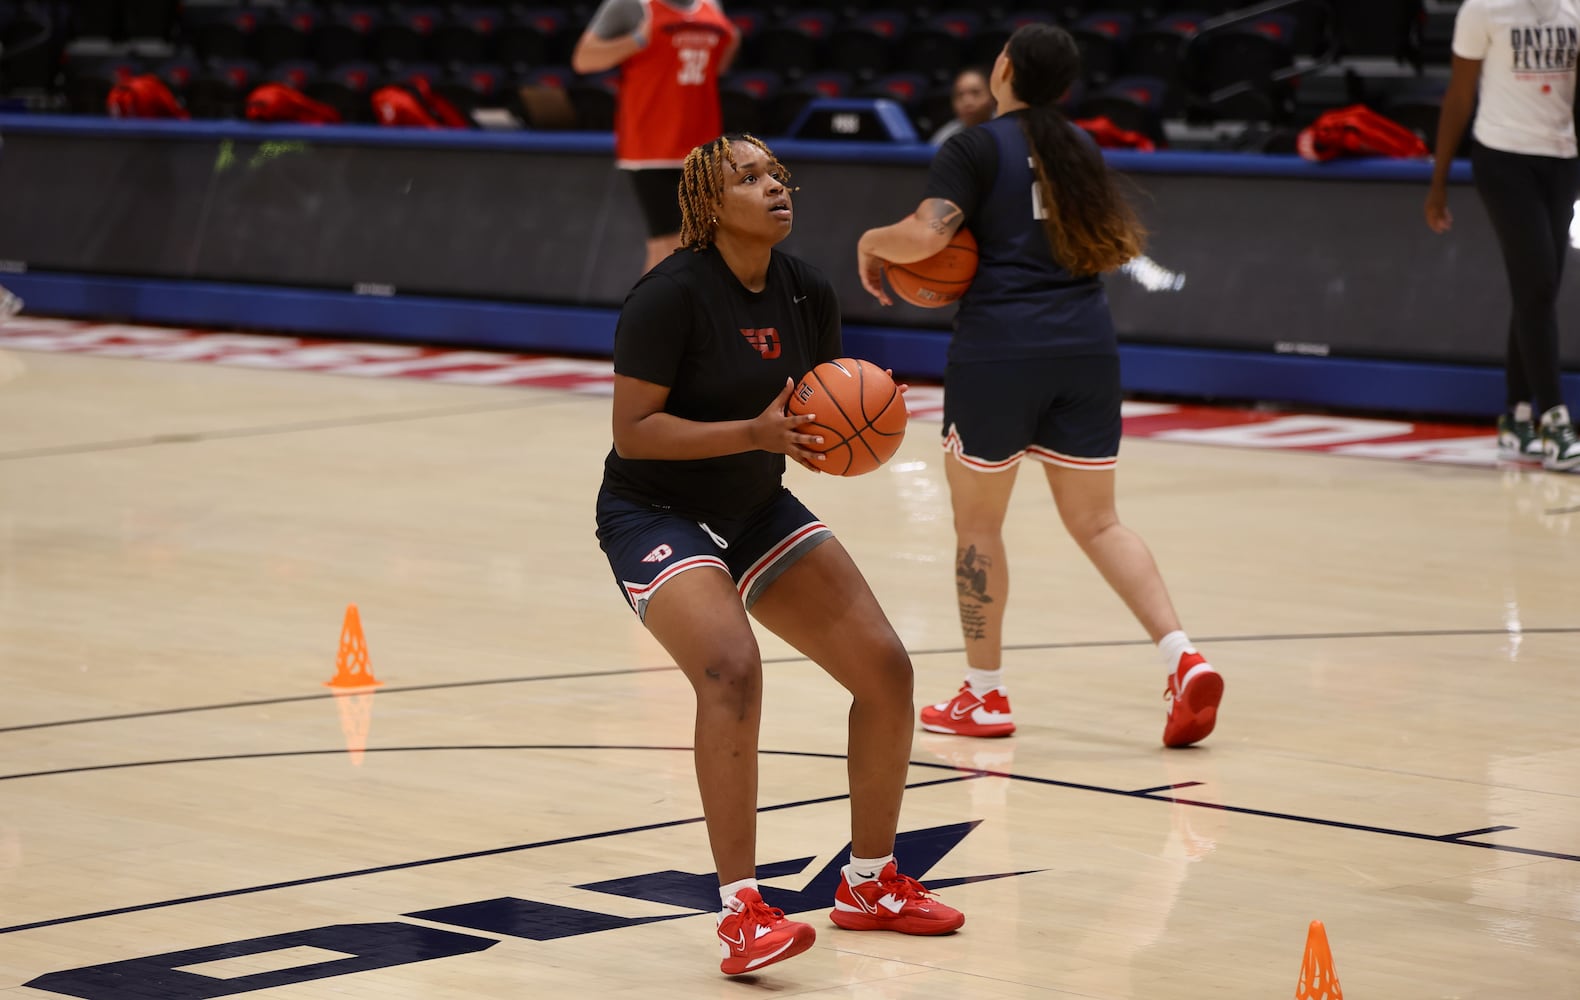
1033	369
700	531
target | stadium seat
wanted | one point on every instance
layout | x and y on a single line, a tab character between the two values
865	46
1387	28
747	101
219	31
594	99
402	40
298	74
984	46
1104	38
221	89
285	35
1158	49
466	38
1250	53
533	37
749	22
473	87
177	72
1134	103
794	45
344	36
908	90
936	46
347	89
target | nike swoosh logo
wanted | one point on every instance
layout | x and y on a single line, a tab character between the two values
738	942
797	299
754	963
956	714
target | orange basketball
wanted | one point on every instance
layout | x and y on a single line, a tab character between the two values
940	279
860	414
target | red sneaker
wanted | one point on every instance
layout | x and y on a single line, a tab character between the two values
753	934
1193	694
970	714
891	902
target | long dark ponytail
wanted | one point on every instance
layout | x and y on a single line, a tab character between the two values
1091	227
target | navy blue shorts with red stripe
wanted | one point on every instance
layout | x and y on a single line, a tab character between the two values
1062	411
648	546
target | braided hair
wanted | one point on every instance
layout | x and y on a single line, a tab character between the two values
702	186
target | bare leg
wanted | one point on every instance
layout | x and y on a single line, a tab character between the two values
980	501
1085	499
698	619
823	607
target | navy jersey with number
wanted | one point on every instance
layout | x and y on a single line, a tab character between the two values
724	352
1022	303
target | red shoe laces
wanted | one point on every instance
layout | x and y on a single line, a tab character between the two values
761	913
904	887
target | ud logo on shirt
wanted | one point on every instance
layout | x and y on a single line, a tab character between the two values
766	341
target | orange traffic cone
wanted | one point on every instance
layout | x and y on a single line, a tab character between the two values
1319	980
352	669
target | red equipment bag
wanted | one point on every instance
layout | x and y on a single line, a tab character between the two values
1357	131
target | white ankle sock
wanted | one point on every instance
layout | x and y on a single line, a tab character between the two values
867	869
1173	646
1556	417
1522	411
727	892
983	681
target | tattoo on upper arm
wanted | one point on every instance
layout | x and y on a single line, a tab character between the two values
941	215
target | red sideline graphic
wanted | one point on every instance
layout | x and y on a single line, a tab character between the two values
1400	440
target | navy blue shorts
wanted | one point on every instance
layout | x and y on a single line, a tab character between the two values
1063	411
649	546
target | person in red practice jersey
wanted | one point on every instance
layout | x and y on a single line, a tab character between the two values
670	54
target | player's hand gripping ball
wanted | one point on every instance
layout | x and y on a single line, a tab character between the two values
861	414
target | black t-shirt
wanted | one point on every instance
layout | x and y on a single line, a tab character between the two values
724	353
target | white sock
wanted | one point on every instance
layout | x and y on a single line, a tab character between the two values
1522	411
867	869
1556	417
983	681
1173	646
727	892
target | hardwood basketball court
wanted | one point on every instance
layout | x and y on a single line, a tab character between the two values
512	813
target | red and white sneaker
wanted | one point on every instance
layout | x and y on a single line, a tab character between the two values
970	714
1193	694
753	934
891	902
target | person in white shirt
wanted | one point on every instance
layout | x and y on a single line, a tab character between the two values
1520	56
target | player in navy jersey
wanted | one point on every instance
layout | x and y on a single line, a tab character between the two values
1033	369
700	530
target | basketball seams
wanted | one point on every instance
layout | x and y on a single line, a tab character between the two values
834	387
